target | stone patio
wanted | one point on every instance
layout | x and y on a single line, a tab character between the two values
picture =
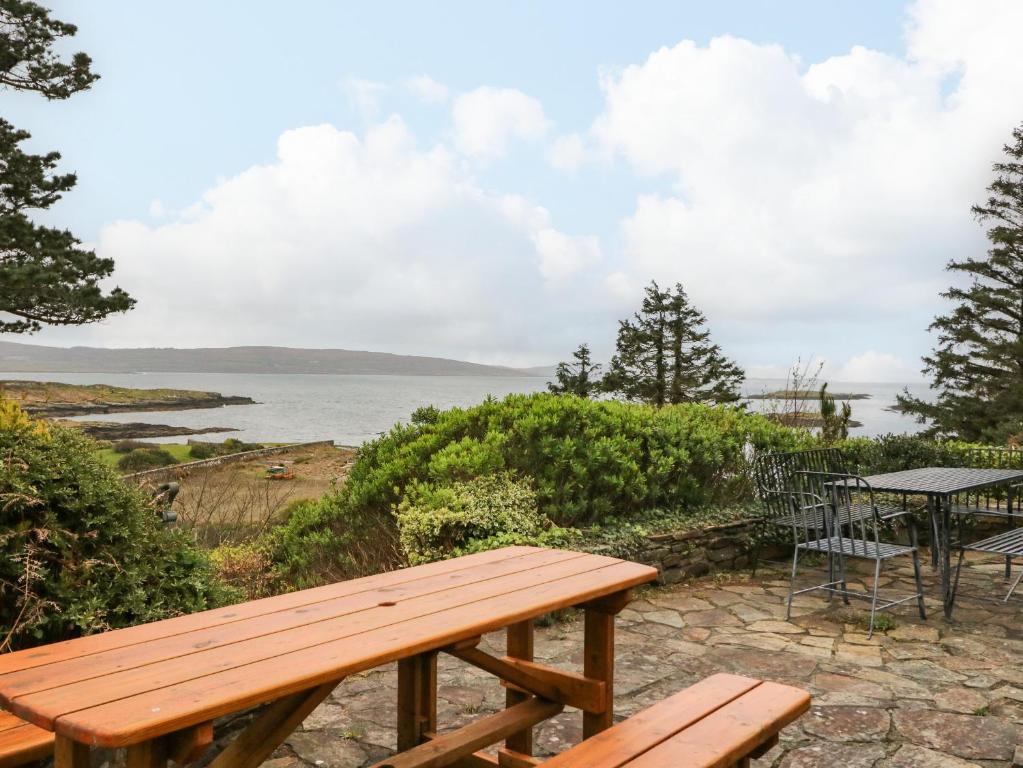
920	695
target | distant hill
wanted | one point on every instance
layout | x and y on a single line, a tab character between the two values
34	358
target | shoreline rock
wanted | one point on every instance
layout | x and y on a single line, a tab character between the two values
136	430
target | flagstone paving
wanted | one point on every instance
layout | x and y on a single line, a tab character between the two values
931	694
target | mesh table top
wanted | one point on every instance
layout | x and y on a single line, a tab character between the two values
943	481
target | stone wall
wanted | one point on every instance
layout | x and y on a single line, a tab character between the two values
690	554
177	471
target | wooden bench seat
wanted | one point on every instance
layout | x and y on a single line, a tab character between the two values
22	742
719	722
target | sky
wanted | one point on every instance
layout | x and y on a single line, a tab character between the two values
497	181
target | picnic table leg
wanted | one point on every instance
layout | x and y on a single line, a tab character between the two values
519	646
599	655
417	699
148	754
69	754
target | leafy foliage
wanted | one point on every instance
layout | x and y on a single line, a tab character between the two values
977	366
664	355
834	422
578	378
433	522
150	457
585	460
80	551
45	276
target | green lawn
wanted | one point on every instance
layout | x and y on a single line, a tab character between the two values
179	451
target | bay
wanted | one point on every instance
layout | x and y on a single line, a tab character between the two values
351	409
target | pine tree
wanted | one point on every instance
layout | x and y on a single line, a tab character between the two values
579	377
834	423
977	364
45	276
664	355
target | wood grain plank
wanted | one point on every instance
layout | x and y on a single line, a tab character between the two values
106	663
646	729
161	710
122	638
70	754
730	733
24	743
54	702
8	721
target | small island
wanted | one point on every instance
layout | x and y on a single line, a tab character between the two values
806	394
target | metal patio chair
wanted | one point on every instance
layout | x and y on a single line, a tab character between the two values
776	475
851	521
1007	544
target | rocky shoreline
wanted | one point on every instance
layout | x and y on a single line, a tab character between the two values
136	430
60	410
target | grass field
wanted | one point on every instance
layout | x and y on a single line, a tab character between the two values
179	451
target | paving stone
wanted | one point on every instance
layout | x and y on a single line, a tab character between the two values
327	749
671	618
821	755
777	627
973	737
961	700
847	723
910	756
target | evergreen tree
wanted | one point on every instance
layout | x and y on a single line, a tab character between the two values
664	355
579	377
834	423
977	364
45	276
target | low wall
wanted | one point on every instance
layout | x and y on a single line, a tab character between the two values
163	474
690	554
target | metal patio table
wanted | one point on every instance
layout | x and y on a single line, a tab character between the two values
939	485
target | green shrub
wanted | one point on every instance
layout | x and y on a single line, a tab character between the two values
141	459
127	446
80	551
585	460
434	522
199	451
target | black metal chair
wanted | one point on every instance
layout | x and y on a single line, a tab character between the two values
1007	544
835	514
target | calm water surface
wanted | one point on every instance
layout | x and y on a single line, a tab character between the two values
353	409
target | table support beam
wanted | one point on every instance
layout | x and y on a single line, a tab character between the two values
268	731
599	655
569	688
520	646
70	754
417	699
147	754
450	748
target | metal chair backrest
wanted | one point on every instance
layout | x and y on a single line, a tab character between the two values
777	476
854	513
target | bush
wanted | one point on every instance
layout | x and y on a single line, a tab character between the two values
127	446
245	570
210	450
585	460
80	551
434	522
141	459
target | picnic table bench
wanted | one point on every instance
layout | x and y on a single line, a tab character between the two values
156	689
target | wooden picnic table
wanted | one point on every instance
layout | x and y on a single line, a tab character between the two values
157	688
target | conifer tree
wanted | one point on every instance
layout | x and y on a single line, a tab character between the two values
45	276
580	377
664	355
976	367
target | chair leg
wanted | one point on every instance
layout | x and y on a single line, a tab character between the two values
916	570
873	598
759	531
1008	567
934	533
841	578
1013	587
955	583
792	584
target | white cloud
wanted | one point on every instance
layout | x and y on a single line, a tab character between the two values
834	191
873	367
370	242
567	153
364	96
487	119
562	256
427	90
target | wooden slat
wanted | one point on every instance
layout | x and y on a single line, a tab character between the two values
448	748
519	644
599	664
507	758
44	707
24	743
646	729
148	754
189	745
122	638
161	710
730	733
200	643
8	721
